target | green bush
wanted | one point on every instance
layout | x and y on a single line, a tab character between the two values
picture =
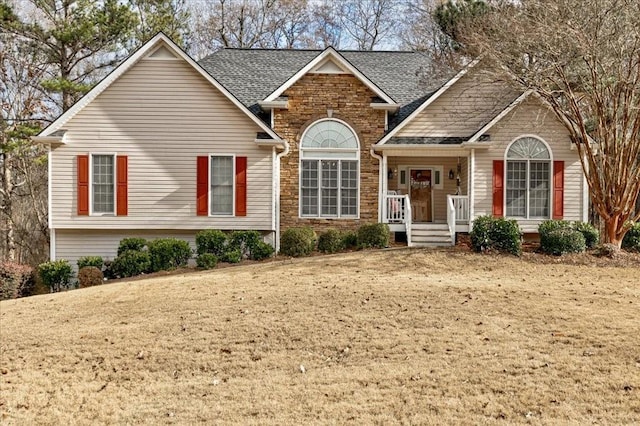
207	261
231	256
211	241
90	261
168	253
298	242
331	241
631	240
350	240
480	240
134	244
56	274
130	263
590	233
89	276
375	235
564	240
549	226
16	280
245	241
262	251
496	233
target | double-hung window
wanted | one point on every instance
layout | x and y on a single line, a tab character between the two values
329	165
528	179
103	183
222	176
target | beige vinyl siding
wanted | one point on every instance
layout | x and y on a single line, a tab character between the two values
530	119
439	195
463	109
162	114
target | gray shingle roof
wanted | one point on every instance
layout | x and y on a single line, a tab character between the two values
253	74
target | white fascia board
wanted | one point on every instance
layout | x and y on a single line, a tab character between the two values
49	140
132	60
277	143
267	105
428	102
329	52
474	139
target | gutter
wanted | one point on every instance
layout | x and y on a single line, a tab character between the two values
276	193
380	182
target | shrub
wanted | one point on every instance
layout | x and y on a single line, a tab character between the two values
134	244
16	280
548	226
589	232
231	256
130	263
631	240
207	261
89	276
297	242
374	235
211	241
262	251
56	274
564	240
245	241
480	240
607	250
90	261
168	253
496	233
331	241
349	240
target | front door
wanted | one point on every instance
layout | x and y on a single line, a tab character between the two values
420	192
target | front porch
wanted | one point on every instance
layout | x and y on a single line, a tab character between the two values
426	197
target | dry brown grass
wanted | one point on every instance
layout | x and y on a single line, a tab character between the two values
387	337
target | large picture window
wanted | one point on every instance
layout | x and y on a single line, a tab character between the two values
103	184
329	164
528	178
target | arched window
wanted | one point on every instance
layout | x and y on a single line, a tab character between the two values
329	164
528	179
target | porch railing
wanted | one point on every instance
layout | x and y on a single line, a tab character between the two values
397	210
451	218
461	207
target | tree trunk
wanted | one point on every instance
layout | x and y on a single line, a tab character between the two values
7	192
614	230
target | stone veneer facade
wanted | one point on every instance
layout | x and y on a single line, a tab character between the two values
349	99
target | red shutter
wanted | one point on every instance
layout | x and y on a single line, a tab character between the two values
498	188
241	186
202	186
122	196
558	189
83	185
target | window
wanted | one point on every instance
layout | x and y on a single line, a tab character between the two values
102	184
222	174
528	179
329	165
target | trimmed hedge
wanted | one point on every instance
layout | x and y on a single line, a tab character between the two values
350	240
168	253
374	235
135	244
207	261
16	280
130	263
558	237
90	261
297	242
250	245
89	276
331	241
56	274
211	241
631	240
231	256
496	233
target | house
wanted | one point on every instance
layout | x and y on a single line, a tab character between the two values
270	139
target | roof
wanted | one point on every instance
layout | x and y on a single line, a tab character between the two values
254	74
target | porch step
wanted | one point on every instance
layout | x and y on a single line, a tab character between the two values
430	235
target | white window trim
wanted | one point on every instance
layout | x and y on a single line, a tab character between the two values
233	186
339	216
115	186
528	160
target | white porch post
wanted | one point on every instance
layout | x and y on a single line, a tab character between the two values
471	170
385	185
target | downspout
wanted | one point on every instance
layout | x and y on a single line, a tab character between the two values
276	201
52	232
380	182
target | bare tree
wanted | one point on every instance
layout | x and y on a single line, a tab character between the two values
581	57
369	22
